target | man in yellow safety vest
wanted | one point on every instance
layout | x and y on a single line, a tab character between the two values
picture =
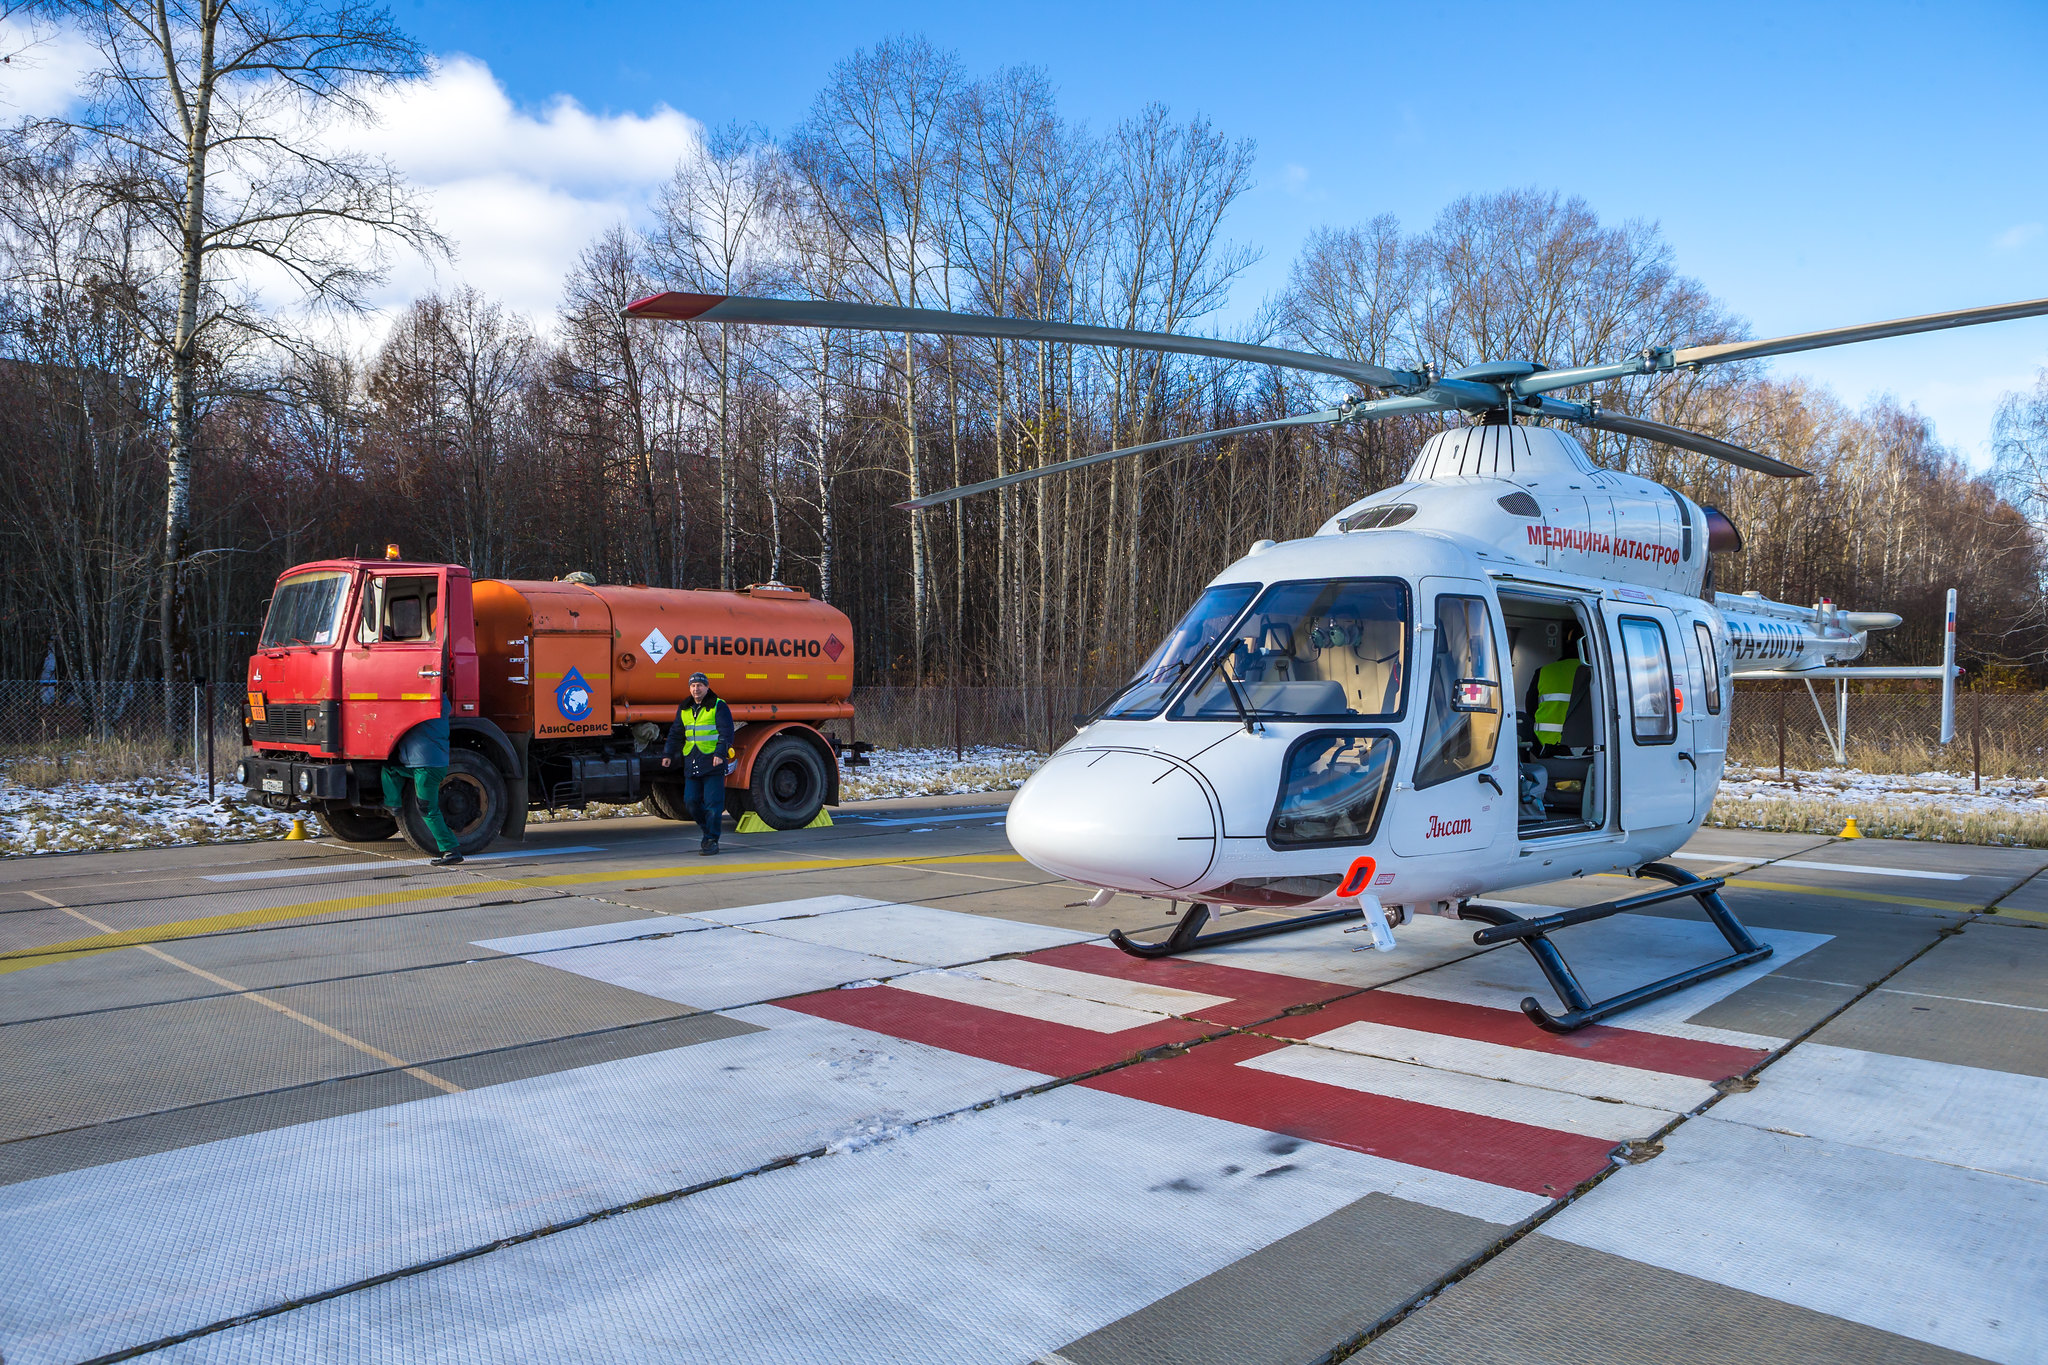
702	739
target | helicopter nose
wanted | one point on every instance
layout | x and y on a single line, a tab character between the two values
1114	818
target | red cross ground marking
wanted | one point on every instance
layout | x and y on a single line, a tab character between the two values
1253	996
1595	1042
1209	1080
1012	1039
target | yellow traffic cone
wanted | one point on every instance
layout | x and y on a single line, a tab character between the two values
1849	831
298	829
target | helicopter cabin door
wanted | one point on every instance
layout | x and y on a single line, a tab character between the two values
1458	797
1659	772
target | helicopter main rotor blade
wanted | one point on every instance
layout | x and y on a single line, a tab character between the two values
1869	331
887	318
1063	466
1687	440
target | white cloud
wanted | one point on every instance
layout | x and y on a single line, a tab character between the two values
518	192
2017	236
43	67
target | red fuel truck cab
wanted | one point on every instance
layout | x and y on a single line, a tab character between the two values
561	693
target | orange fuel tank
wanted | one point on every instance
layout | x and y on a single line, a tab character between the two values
560	658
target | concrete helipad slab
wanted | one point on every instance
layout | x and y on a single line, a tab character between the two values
883	1092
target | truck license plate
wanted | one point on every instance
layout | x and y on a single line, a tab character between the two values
274	784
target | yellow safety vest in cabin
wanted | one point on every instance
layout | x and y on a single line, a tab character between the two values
1554	698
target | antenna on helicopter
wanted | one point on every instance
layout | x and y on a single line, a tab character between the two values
1493	389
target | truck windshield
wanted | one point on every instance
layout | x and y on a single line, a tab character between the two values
1312	650
1143	696
306	610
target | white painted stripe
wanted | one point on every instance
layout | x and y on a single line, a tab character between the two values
1576	1075
1111	990
583	936
135	1250
880	822
1324	953
1828	867
796	909
1073	1011
1615	955
1470	1094
314	869
919	933
1936	1111
720	967
995	1238
1952	1257
1962	999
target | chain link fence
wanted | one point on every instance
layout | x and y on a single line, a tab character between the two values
102	731
1998	734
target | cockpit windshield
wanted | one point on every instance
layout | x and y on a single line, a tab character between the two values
1311	650
306	609
1143	696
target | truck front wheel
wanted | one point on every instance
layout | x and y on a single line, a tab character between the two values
473	803
787	786
353	826
664	801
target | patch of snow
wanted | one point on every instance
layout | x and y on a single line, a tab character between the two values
1947	793
140	812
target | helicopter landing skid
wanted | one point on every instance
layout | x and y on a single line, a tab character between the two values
1188	935
1581	1009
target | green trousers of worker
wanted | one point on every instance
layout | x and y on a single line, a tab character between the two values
426	789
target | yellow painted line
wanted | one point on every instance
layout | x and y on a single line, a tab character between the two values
1835	893
1919	901
415	696
2037	916
364	696
668	675
714	675
762	676
287	1011
835	677
16	959
800	677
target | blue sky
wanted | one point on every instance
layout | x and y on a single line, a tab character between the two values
1812	164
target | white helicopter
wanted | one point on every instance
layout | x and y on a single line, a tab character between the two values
1508	669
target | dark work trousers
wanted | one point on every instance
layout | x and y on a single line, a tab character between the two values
704	802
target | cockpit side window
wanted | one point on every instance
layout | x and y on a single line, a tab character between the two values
1462	724
1320	650
1213	613
1333	789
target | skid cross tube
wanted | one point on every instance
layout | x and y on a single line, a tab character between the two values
1187	935
1580	1008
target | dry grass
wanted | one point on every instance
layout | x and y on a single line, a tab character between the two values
116	760
1881	819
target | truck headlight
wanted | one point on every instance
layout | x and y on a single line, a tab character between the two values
242	772
305	781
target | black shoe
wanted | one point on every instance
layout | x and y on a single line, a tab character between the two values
710	848
445	860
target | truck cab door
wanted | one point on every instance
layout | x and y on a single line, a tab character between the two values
393	672
1659	771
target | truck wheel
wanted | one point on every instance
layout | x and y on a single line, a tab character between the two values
787	789
473	803
664	800
353	826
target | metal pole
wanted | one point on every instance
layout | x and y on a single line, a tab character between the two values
195	722
209	741
1842	721
958	750
1948	671
1781	734
1977	742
